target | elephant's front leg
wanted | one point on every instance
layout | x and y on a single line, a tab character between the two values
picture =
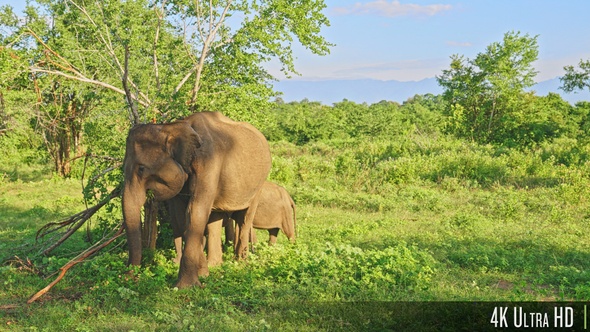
193	263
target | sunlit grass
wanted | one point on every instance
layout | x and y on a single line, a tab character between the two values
416	237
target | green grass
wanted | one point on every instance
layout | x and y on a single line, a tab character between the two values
366	233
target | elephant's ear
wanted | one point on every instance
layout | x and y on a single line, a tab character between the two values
182	144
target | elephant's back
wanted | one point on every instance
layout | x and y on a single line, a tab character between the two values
274	209
225	129
273	199
242	152
241	141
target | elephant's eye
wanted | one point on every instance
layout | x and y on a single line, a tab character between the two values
140	170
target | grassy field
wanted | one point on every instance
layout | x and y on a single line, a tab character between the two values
420	220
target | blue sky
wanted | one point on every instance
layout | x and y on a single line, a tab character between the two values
412	40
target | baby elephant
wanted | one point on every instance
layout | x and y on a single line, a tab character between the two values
276	211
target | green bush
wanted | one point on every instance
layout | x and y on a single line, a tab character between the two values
351	273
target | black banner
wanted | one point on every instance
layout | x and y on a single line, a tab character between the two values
446	316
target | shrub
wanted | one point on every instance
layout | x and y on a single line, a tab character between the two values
349	271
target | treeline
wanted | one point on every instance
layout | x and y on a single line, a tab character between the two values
486	100
306	121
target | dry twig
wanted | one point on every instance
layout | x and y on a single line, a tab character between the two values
80	258
73	223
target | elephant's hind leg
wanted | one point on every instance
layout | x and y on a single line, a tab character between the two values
214	249
244	220
272	236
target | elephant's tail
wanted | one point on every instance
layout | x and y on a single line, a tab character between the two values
294	215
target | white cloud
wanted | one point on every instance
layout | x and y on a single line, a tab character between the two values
459	44
391	9
402	70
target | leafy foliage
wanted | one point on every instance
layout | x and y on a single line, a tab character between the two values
486	95
576	79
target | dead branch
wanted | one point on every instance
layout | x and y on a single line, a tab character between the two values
9	306
130	103
73	223
80	258
207	45
160	16
84	79
23	265
67	67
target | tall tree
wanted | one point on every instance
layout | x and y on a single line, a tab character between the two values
163	59
486	96
171	57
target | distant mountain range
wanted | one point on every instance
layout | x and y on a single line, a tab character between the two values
373	91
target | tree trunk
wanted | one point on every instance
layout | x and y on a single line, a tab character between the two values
65	151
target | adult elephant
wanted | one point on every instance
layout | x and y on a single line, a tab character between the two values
211	161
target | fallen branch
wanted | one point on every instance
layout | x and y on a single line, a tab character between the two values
74	222
8	306
76	260
23	265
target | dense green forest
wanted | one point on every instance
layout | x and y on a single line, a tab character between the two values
477	194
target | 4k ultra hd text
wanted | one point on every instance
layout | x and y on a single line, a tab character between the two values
519	317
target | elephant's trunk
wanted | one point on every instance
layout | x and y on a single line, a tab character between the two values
133	200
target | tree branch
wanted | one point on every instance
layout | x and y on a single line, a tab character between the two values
106	41
213	28
184	79
77	220
78	259
130	103
156	38
199	20
48	49
97	157
86	80
78	75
